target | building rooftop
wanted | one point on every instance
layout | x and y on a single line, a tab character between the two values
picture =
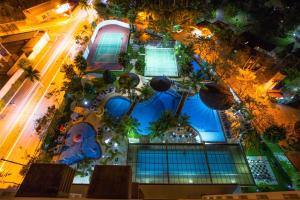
47	180
21	42
188	164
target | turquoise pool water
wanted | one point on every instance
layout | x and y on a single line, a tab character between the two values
202	118
150	110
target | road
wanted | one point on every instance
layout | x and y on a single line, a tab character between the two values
17	137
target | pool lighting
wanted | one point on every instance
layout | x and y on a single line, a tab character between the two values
106	141
190	181
116	144
290	186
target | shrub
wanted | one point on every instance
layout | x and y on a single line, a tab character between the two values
140	65
275	133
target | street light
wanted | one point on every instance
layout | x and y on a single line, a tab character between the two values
12	162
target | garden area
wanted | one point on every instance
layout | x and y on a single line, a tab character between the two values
114	103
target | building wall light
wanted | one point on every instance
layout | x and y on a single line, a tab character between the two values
63	8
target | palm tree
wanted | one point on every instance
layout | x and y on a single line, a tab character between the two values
85	5
183	120
127	126
80	63
24	63
32	74
146	92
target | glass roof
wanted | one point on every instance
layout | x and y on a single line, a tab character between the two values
188	164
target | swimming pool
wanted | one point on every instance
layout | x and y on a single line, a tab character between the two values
117	106
204	119
86	147
150	110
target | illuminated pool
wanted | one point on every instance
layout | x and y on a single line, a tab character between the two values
202	118
150	110
117	106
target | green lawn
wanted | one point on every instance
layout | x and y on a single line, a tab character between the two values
279	41
279	155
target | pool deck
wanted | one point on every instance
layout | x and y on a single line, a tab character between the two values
108	66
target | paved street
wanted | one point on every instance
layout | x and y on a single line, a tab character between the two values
18	137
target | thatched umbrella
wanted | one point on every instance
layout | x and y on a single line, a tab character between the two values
216	96
160	83
129	80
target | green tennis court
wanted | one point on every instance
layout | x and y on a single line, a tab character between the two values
160	62
108	48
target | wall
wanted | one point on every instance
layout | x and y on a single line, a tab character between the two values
39	46
15	72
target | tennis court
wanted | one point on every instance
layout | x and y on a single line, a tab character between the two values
160	62
108	48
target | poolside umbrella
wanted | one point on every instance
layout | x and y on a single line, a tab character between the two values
216	96
129	80
160	83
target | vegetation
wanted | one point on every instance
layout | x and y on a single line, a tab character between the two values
84	4
146	92
125	126
138	56
84	168
184	58
108	77
275	133
124	59
166	121
42	122
80	63
40	156
140	65
32	74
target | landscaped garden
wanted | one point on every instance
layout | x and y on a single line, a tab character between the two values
155	90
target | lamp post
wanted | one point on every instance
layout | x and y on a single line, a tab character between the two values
2	159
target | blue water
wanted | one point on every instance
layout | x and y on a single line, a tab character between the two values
197	69
150	110
117	106
204	119
196	66
88	148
